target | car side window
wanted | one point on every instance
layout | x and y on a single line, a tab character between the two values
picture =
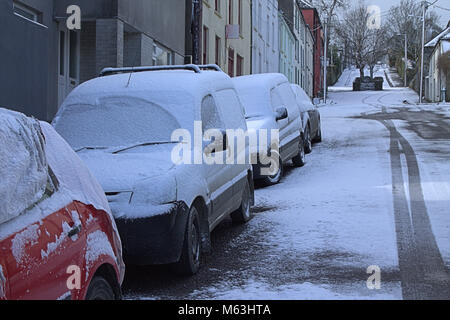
233	111
211	117
275	98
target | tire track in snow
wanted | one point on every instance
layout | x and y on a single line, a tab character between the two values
422	268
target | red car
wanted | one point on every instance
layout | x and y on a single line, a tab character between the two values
58	239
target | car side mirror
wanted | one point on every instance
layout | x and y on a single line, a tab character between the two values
217	145
281	113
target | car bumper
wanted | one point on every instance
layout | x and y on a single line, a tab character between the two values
157	239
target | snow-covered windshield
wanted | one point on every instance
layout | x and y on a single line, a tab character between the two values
116	122
255	101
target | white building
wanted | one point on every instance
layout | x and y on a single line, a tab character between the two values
437	79
265	51
226	35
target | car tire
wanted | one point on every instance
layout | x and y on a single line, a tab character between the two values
243	214
300	159
308	141
189	263
318	137
100	289
276	178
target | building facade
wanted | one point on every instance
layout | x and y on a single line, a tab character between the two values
303	47
312	19
287	49
226	35
437	78
265	50
42	61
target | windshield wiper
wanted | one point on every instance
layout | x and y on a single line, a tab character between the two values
91	148
143	145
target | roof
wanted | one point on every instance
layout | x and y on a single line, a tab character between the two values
263	80
444	35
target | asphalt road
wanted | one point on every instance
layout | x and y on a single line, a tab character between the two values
376	192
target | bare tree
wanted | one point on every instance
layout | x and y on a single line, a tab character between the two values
353	30
405	18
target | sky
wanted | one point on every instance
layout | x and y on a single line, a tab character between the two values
386	4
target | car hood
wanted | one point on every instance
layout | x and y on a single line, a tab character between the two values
121	172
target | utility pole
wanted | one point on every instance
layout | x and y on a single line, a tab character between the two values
406	60
325	62
424	8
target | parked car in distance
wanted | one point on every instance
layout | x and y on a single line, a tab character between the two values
58	239
270	103
122	126
312	125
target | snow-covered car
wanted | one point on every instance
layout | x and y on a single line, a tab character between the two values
310	118
58	239
125	126
269	104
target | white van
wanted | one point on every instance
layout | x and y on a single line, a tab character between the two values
124	124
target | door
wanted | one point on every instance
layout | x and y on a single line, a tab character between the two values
38	256
238	151
68	61
218	175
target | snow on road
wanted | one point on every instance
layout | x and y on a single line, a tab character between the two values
315	234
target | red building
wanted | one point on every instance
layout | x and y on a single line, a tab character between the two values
313	20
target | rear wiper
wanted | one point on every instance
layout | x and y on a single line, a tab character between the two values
143	145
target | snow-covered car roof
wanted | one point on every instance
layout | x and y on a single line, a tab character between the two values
301	95
167	98
254	91
262	81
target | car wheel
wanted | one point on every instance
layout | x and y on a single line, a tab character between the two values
243	215
100	289
308	142
275	178
300	159
319	134
189	263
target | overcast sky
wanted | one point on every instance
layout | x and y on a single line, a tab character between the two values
386	4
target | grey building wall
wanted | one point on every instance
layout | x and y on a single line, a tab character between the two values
27	56
114	33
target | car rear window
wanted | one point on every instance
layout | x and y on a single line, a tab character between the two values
23	165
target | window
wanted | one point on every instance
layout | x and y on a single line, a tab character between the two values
62	52
161	56
231	62
73	55
205	45
211	118
230	11
240	15
27	12
218	47
217	5
239	65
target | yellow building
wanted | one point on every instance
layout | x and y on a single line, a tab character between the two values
226	35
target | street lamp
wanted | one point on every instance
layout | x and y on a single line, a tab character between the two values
406	58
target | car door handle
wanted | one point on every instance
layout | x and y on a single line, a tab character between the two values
75	230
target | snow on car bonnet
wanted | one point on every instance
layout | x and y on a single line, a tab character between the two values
23	165
73	175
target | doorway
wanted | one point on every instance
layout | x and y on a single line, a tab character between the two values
68	61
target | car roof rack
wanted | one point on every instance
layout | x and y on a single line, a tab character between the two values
213	67
110	71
